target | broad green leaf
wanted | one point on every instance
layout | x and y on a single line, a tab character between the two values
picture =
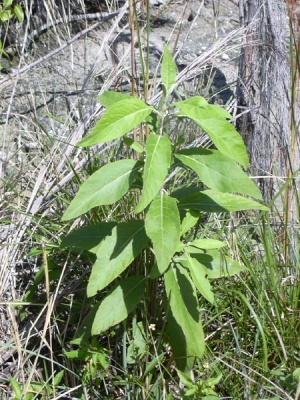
158	159
214	381
207	243
8	3
6	15
198	273
58	377
37	388
190	220
115	253
118	120
212	397
185	379
104	187
196	101
192	391
88	237
162	225
222	133
18	11
85	329
208	110
133	144
211	201
180	247
81	354
186	191
218	172
192	250
110	98
184	324
296	374
119	303
216	264
154	273
16	387
168	69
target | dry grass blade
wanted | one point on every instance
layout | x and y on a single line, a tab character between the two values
15	235
284	395
103	18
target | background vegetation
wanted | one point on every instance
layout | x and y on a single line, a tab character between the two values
250	326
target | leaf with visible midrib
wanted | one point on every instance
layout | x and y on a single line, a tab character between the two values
190	219
88	237
212	201
157	163
104	187
218	172
207	243
207	110
162	224
119	303
216	265
118	120
186	337
168	69
115	253
198	273
222	133
110	98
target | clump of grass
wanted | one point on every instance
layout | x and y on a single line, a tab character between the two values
258	315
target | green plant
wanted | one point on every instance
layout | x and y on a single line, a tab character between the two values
201	388
158	240
95	361
44	390
254	320
289	381
7	12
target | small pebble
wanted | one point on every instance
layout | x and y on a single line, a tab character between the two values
225	57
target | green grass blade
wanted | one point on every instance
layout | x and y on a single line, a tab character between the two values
259	326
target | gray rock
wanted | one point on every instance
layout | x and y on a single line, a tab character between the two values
157	2
225	57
